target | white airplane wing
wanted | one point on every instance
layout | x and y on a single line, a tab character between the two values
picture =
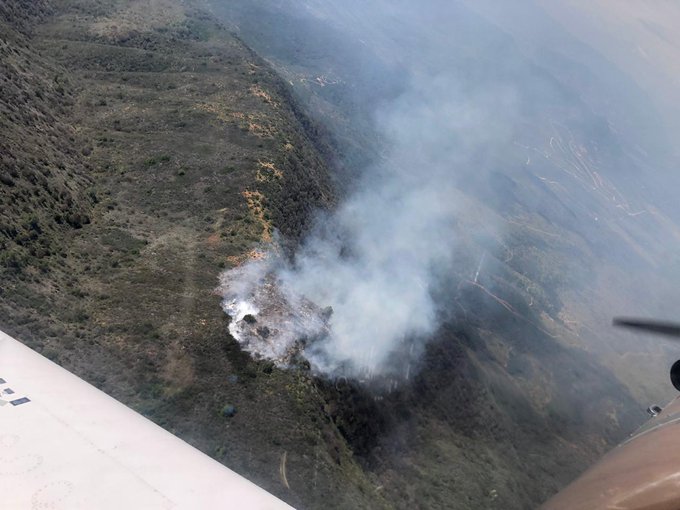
66	445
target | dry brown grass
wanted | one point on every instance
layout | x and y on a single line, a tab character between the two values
258	91
255	200
268	172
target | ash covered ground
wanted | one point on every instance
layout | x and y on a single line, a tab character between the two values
268	321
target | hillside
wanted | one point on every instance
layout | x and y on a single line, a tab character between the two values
144	150
46	189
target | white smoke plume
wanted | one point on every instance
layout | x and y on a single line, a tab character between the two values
372	260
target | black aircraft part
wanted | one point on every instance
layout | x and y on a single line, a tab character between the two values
675	375
652	326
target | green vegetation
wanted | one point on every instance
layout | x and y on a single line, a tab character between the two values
144	149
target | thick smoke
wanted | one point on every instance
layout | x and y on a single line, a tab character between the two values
373	259
357	298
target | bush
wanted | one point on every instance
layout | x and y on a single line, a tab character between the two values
6	179
13	258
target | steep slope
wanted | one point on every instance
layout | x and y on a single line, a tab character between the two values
145	149
559	224
44	179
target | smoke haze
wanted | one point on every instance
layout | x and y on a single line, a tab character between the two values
459	109
374	259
